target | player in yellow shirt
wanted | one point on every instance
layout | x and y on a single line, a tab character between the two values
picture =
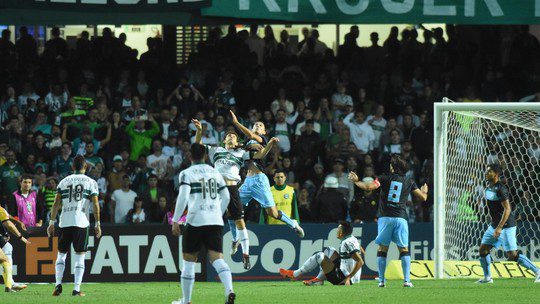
285	198
5	219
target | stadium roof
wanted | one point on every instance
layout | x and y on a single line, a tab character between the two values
183	12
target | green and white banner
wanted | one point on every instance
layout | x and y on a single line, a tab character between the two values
34	12
119	5
381	11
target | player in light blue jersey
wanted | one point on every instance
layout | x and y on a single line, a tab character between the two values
502	229
256	185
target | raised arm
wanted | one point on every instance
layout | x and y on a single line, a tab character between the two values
198	134
364	186
348	118
247	132
421	194
262	154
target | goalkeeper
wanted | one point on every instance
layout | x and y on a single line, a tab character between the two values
502	230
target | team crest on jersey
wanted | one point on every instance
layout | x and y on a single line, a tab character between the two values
286	196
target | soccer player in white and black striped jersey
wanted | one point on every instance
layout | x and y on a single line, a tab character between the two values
204	192
228	160
74	195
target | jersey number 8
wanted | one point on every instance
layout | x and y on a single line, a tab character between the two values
394	193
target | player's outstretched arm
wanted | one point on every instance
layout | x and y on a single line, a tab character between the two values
247	132
262	154
54	213
17	222
13	229
198	134
353	177
421	194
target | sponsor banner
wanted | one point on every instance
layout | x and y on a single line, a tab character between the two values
277	246
459	269
381	11
150	253
106	5
122	254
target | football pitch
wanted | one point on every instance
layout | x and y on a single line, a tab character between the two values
425	291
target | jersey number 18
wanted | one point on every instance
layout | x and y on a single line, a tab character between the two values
75	193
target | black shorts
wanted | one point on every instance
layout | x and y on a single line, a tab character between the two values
235	210
335	276
73	235
209	236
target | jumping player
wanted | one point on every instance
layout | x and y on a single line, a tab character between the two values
74	195
502	229
343	267
392	223
256	185
228	161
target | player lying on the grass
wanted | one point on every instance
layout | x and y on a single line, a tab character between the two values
204	192
5	260
256	186
74	194
343	267
392	225
502	229
228	160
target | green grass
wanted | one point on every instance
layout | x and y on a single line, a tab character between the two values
425	291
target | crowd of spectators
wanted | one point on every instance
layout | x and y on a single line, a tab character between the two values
333	112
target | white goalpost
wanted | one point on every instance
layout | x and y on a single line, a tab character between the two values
469	136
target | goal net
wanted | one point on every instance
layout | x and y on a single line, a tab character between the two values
468	138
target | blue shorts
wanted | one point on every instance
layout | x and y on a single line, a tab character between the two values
507	238
392	229
257	187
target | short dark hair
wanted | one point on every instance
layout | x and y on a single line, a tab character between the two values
280	171
233	133
78	162
25	176
399	164
198	152
495	168
152	176
347	227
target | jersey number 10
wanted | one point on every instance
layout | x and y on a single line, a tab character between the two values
210	187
